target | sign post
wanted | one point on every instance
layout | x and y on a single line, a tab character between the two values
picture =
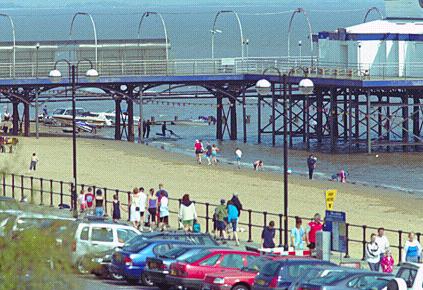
335	222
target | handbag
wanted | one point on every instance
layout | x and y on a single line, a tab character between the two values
137	208
196	228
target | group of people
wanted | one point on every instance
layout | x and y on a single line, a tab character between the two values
90	202
341	176
210	151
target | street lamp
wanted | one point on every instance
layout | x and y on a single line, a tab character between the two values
264	87
37	125
12	25
94	31
55	76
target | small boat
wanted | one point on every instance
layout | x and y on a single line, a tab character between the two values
64	116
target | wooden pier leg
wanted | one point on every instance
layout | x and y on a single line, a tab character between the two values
350	121
388	123
416	121
118	135
333	120
405	134
290	129
130	111
244	116
345	118
15	118
319	129
368	119
234	127
219	118
379	118
274	116
26	120
357	120
259	119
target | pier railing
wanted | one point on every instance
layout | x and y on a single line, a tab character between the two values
52	193
223	66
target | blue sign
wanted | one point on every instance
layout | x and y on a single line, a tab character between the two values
335	222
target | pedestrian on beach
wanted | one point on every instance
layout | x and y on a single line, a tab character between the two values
164	128
233	215
187	213
152	208
164	212
237	203
89	198
34	161
373	254
135	208
116	208
268	236
214	154
143	202
99	209
382	241
412	249
198	147
220	214
311	164
161	192
387	262
238	156
312	228
298	235
82	202
208	153
258	165
342	176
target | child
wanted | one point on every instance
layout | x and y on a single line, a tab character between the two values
116	208
82	202
89	198
34	161
258	165
342	176
387	262
214	154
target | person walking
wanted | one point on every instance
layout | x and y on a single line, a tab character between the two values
164	128
342	176
214	154
99	203
208	153
116	208
382	241
135	208
82	202
373	254
412	249
233	215
143	201
258	165
387	262
187	213
268	236
220	214
198	147
89	198
152	208
34	162
238	156
312	228
164	211
237	203
298	235
311	164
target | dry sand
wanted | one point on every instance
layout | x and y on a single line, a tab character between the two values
125	165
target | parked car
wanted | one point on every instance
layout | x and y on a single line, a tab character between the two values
130	262
409	276
193	238
242	279
191	272
97	235
280	274
158	268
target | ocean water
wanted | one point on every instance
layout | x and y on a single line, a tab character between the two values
265	24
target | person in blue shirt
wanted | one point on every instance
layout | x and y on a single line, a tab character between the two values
412	249
268	236
233	214
298	235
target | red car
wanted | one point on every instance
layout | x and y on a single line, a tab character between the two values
191	272
240	279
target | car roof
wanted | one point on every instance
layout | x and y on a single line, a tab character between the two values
175	233
167	241
234	251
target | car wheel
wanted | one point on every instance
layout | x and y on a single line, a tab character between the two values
132	281
240	287
145	280
81	267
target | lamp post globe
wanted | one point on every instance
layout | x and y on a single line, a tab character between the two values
91	74
263	87
306	86
55	76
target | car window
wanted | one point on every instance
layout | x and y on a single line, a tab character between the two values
102	234
255	263
125	235
368	282
296	271
210	261
161	249
270	269
197	257
84	234
232	261
408	274
135	245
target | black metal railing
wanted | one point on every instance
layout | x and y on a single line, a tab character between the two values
55	192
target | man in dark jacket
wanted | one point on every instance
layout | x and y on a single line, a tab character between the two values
237	203
311	163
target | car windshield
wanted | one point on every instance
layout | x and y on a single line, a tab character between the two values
256	265
135	245
197	257
174	253
270	268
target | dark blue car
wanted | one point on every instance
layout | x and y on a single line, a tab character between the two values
131	260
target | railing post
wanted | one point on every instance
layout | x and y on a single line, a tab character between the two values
264	218
347	236
207	217
61	192
280	230
51	192
4	184
22	188
13	186
105	200
129	205
32	189
364	227
41	192
250	227
399	246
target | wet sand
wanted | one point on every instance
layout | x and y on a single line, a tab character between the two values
123	165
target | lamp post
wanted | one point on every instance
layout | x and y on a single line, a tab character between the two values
264	87
12	25
55	76
37	125
94	31
147	14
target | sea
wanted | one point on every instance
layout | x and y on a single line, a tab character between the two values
265	24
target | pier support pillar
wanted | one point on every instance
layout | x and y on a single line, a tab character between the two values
118	135
350	121
26	120
416	120
405	120
130	111
368	125
319	125
244	116
15	118
274	116
357	120
219	118
388	123
333	120
345	118
234	128
379	118
259	119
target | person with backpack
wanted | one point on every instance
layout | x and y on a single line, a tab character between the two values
220	214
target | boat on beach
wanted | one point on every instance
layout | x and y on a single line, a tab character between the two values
64	117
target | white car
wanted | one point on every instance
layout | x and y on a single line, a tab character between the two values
408	277
92	236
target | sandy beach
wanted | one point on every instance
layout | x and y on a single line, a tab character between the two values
125	165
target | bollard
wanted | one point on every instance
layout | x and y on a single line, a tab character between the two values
347	250
364	242
250	227
22	188
207	217
41	192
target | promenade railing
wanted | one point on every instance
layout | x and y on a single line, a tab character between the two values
52	193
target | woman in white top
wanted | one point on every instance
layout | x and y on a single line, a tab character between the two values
135	208
187	213
373	254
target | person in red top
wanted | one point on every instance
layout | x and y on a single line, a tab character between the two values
89	198
313	227
198	146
